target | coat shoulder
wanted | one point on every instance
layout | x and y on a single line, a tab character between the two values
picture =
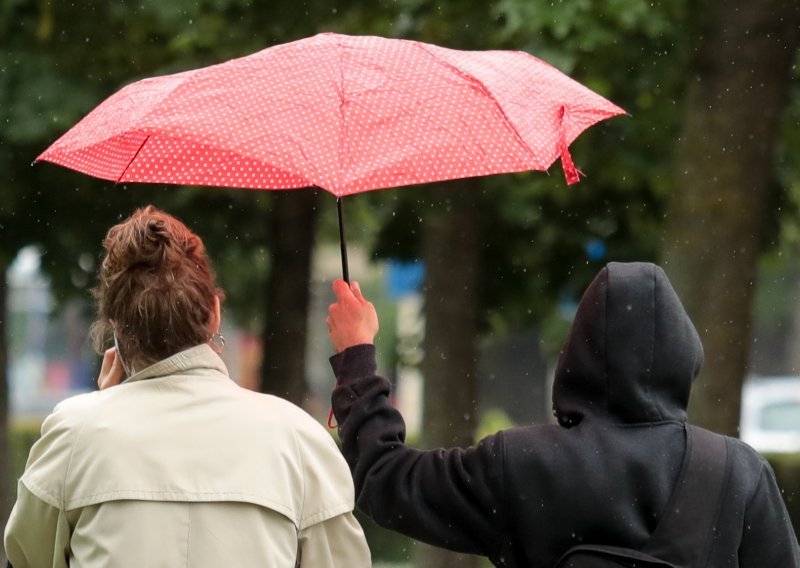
49	458
328	482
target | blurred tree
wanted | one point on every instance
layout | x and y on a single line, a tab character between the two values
291	239
720	215
5	458
451	252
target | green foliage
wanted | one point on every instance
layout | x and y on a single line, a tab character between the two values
585	25
385	545
492	421
22	436
787	473
32	102
785	194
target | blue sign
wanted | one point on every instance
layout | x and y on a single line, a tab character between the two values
405	277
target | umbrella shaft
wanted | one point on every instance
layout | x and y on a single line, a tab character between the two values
342	242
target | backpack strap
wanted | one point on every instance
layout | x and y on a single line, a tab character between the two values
687	526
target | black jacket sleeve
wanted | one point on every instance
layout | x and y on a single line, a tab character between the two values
768	538
452	498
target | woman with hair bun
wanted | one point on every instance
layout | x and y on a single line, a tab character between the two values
172	463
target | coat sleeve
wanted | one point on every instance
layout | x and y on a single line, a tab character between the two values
452	498
336	543
37	534
328	533
768	538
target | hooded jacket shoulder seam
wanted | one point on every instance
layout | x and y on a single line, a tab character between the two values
754	490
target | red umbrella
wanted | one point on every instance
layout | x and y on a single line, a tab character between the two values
347	114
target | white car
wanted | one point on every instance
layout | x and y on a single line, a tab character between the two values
770	419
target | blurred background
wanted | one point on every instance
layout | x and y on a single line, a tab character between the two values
475	288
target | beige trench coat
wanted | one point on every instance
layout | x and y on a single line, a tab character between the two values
178	466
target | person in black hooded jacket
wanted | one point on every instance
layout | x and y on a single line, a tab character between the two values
602	475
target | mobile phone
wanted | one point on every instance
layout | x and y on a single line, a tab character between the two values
125	371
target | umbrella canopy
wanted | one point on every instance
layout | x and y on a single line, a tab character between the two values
347	114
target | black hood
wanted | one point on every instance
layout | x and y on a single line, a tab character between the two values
632	352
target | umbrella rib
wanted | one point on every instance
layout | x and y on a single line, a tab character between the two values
119	179
485	89
303	183
184	76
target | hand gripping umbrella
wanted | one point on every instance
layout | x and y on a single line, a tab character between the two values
345	113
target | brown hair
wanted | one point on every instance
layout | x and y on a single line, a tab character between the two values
155	288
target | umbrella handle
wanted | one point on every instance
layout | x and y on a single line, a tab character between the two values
342	242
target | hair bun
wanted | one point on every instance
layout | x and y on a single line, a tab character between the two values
151	241
157	233
157	227
142	243
148	246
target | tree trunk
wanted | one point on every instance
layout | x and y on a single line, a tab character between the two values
451	251
6	481
716	220
292	227
791	364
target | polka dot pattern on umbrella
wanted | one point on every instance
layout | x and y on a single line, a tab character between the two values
344	113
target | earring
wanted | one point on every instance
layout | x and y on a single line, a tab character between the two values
217	342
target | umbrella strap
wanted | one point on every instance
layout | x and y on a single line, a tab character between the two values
570	171
331	418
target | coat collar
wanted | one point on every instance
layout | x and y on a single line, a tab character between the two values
195	360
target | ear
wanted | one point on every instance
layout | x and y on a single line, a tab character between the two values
216	315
